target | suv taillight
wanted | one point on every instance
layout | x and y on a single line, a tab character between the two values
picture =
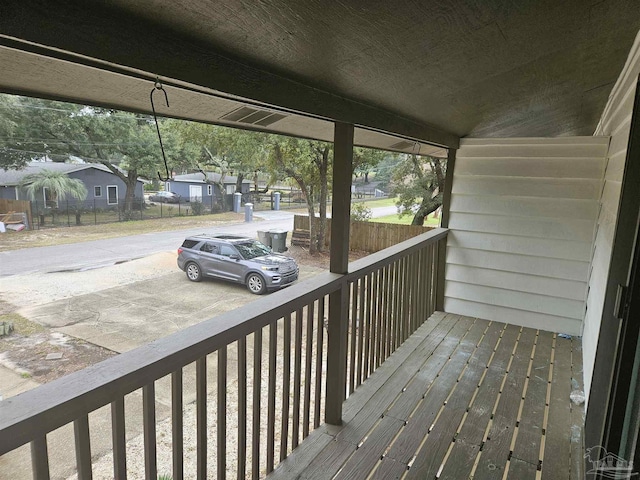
179	251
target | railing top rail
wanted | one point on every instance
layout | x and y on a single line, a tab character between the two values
52	405
376	260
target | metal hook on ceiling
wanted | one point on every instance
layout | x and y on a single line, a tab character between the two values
158	86
416	148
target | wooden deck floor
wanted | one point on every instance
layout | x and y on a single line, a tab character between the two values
462	398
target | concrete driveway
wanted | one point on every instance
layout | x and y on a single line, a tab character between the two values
123	306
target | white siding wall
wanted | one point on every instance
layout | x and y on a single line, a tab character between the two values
615	121
523	216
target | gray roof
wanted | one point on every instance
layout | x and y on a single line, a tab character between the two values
13	177
211	177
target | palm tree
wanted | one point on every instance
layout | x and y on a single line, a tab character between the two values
58	184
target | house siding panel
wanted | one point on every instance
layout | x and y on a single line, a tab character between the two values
523	215
616	122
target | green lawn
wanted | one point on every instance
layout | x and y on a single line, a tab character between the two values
383	202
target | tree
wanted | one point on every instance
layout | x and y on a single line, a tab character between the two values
385	170
58	184
308	163
419	181
126	143
229	150
366	160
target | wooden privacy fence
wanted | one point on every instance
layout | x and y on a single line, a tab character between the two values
17	206
364	236
239	391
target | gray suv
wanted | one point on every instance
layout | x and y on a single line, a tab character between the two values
238	259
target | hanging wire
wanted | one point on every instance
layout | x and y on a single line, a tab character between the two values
158	86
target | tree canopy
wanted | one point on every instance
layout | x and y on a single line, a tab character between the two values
308	163
419	184
124	142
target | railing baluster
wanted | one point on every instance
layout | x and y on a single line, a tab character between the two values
377	318
367	331
414	293
177	425
429	276
427	271
40	459
242	408
149	427
353	335
395	285
222	414
271	399
319	357
83	447
257	386
385	311
422	290
441	256
119	440
297	382
405	299
201	418
286	379
435	272
361	323
307	370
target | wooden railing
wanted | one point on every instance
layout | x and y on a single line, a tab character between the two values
267	359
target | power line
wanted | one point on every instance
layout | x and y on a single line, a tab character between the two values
48	142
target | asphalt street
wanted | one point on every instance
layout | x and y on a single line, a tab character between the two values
100	253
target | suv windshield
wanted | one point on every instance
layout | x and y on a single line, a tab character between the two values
250	250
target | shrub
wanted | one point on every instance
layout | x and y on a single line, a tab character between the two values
197	207
360	212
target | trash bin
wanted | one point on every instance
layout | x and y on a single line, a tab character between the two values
278	240
264	237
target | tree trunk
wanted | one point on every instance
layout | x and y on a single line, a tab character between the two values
324	172
428	206
313	229
132	181
239	182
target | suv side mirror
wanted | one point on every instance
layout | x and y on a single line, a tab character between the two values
234	256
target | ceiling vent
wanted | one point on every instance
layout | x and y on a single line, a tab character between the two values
402	145
253	116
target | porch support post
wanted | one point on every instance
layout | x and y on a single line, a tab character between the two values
444	223
339	263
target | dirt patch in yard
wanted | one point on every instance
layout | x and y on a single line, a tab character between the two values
319	260
35	352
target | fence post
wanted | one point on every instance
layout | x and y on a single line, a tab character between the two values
339	263
68	218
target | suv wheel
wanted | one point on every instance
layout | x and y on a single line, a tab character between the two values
193	272
256	284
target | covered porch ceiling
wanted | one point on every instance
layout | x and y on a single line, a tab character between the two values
401	71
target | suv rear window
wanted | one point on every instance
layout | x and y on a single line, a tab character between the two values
189	243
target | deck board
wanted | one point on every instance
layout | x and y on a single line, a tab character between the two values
462	397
